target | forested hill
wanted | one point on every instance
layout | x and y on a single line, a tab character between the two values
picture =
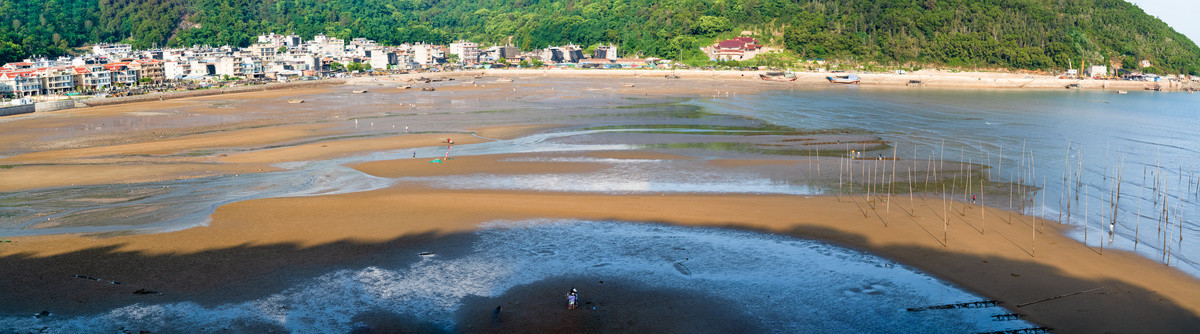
1032	34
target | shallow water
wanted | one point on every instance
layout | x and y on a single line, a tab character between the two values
1152	134
802	276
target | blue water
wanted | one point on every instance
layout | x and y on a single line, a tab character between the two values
781	283
1153	133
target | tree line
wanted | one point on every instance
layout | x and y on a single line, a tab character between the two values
1024	34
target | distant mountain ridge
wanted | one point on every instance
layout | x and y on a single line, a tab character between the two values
1024	34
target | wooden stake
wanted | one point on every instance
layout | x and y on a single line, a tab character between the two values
892	185
1138	224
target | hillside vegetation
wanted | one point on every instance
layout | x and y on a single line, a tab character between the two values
1026	34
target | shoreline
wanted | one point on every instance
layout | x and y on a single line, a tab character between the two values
928	78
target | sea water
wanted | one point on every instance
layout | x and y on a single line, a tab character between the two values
785	284
1148	134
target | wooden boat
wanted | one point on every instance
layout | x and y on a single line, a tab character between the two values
296	101
627	85
778	76
359	92
915	83
1122	92
427	89
843	78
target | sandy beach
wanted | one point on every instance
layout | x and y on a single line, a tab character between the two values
253	248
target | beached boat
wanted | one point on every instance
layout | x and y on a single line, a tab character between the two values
843	78
504	79
296	101
427	89
915	83
1122	92
672	76
778	76
359	92
627	85
405	87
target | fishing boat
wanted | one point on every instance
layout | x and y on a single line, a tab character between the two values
296	101
672	76
504	79
915	83
1122	92
627	85
359	92
778	76
843	78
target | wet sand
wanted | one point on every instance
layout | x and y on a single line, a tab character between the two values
251	248
999	264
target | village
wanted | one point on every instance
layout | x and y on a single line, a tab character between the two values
117	69
114	70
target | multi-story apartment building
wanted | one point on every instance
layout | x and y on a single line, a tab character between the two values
92	77
467	52
606	52
121	74
148	69
104	49
56	80
426	54
382	59
20	83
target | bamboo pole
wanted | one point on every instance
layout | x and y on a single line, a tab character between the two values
928	169
892	185
1112	226
808	172
1062	192
911	201
1138	223
945	220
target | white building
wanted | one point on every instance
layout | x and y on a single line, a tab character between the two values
104	49
606	52
20	83
467	52
382	60
279	40
426	54
1097	71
